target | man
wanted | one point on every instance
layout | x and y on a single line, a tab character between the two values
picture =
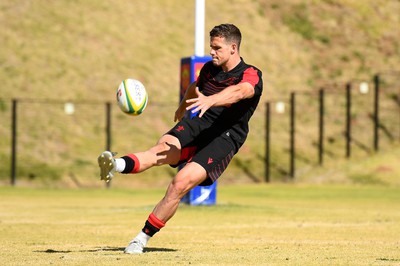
225	96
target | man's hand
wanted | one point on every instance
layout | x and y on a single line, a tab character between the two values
201	103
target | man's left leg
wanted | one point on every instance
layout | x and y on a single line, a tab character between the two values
166	151
187	178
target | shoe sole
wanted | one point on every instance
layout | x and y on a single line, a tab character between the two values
134	248
133	252
106	165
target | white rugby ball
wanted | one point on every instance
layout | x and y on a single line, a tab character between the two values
132	97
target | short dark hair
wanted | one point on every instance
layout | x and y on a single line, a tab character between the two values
230	32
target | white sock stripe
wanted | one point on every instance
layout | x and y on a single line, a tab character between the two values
142	237
119	165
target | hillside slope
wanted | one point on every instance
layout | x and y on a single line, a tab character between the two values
80	47
81	50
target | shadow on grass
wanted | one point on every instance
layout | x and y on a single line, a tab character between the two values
101	249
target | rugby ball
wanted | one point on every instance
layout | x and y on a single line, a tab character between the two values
132	97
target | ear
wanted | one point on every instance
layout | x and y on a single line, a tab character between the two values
233	48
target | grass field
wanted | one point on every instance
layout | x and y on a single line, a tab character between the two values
250	225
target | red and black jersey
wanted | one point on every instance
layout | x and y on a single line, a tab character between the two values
235	118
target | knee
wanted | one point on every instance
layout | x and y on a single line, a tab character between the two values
159	149
169	141
161	154
179	186
166	153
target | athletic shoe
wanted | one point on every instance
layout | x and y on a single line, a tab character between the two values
134	247
107	165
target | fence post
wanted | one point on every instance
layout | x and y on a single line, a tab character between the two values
108	126
292	133
348	120
108	132
14	142
321	126
376	113
267	141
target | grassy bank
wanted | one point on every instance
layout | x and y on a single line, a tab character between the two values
81	50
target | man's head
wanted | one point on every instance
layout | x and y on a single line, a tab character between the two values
228	31
225	43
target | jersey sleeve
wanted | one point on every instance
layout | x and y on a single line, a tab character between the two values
253	76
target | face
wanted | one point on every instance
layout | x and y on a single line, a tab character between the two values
221	51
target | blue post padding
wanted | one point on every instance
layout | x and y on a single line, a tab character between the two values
190	70
206	195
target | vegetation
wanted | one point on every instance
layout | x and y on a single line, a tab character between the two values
80	47
81	50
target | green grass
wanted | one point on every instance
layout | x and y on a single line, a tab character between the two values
250	225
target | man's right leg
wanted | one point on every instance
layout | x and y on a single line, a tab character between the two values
166	151
187	178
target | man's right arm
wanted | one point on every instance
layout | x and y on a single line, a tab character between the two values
189	94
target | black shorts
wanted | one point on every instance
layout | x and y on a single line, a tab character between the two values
206	145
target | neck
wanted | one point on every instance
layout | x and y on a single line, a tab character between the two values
231	64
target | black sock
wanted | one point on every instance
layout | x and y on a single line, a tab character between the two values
129	165
149	229
152	225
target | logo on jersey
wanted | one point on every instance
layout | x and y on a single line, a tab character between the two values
210	160
232	81
180	128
